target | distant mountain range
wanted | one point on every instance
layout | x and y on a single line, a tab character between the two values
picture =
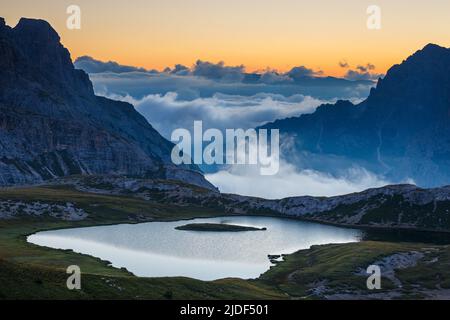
401	131
52	124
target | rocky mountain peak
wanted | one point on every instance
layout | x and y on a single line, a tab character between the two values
36	30
399	132
39	54
421	79
431	50
53	125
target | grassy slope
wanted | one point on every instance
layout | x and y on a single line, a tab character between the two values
23	281
28	271
335	266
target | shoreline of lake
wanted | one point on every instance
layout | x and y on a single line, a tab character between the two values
157	249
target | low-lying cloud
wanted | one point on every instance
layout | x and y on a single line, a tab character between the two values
290	182
189	87
226	97
168	112
205	79
91	65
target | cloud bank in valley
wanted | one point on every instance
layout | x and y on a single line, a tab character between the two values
189	87
168	112
219	95
227	97
291	181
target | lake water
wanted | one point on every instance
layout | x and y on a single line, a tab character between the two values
157	249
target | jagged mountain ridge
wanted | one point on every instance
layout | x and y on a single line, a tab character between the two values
394	206
52	124
401	130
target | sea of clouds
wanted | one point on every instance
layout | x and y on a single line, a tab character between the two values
167	112
228	98
291	181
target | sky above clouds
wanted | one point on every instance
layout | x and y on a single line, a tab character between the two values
167	112
279	34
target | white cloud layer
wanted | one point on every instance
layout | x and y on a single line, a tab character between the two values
290	182
189	87
176	98
167	112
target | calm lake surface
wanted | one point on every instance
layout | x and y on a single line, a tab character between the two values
156	249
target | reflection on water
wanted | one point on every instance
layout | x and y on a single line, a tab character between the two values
404	235
156	249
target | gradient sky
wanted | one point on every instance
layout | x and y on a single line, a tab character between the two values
257	33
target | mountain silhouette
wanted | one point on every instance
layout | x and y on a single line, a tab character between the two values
52	124
401	130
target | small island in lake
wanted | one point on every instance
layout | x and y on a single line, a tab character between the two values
217	227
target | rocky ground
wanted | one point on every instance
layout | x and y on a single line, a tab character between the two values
394	206
10	209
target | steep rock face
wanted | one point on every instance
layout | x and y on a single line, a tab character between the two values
52	124
401	131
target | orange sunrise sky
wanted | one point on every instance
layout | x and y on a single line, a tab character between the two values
279	34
